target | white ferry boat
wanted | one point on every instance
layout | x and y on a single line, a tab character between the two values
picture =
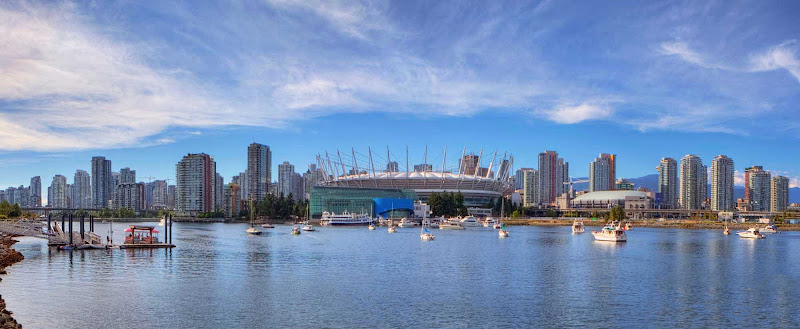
344	218
610	233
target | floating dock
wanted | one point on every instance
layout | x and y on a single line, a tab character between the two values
146	245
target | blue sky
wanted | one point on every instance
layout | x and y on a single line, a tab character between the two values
144	83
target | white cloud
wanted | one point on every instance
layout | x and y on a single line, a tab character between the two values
356	19
783	56
570	114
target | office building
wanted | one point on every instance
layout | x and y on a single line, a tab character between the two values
131	196
126	175
392	166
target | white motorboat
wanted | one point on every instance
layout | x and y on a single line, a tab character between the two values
392	229
628	226
345	218
267	226
771	229
502	233
577	227
308	228
610	233
253	231
752	233
372	227
489	222
451	226
470	221
405	222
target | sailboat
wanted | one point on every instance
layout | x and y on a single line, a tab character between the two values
424	234
503	233
308	227
252	230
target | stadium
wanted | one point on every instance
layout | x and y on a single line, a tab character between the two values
480	177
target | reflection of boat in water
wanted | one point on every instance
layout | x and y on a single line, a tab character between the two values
610	233
752	233
771	229
577	227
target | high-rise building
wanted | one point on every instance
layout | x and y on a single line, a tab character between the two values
693	182
601	173
469	164
668	183
232	200
36	191
285	178
298	187
158	195
131	196
392	166
195	177
722	184
423	167
258	173
780	194
69	196
553	176
219	190
519	178
103	183
172	197
530	188
57	193
126	175
758	185
81	190
311	178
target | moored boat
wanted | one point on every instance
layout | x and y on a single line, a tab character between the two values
752	233
771	229
470	221
451	226
405	222
392	229
610	233
372	227
295	230
344	218
490	222
577	227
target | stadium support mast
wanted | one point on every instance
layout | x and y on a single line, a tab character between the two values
344	172
491	164
444	162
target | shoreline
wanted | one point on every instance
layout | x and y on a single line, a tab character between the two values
679	224
8	257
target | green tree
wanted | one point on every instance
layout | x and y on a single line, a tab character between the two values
5	208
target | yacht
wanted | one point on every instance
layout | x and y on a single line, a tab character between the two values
345	218
308	228
267	225
392	229
489	222
405	222
610	233
752	233
577	227
253	231
769	229
447	225
470	221
372	227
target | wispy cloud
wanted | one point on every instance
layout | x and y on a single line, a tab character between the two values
783	56
570	114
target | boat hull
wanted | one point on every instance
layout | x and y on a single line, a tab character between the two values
602	237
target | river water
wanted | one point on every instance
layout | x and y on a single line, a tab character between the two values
219	277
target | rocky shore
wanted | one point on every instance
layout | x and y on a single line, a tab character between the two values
682	224
8	257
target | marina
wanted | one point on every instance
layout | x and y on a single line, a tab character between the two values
538	272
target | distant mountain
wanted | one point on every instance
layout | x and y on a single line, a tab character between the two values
651	182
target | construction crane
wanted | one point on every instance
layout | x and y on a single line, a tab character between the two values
573	181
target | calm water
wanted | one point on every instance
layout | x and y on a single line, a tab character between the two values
352	277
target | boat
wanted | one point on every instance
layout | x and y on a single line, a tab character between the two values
295	230
489	222
267	225
404	222
345	218
252	230
752	233
577	227
372	227
503	233
162	221
392	229
470	221
610	233
726	231
307	226
91	246
628	226
424	234
447	225
771	229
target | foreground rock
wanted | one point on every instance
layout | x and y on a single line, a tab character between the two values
8	257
